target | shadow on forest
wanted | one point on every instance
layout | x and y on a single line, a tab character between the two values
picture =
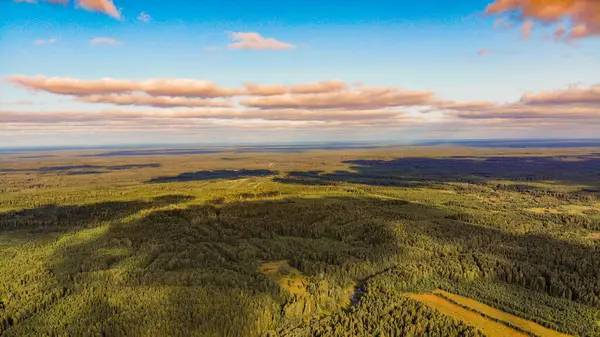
419	172
209	175
206	258
82	169
64	218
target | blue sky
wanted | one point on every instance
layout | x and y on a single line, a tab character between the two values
426	45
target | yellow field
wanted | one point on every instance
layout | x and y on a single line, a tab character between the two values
475	318
288	278
501	315
487	326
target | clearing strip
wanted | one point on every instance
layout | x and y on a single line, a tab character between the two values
500	315
487	326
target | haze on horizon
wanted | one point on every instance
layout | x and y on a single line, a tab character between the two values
97	72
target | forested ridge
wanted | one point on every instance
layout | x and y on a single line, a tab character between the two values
178	245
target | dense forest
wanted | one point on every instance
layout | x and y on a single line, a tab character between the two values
319	242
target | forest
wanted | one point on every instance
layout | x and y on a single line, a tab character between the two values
300	241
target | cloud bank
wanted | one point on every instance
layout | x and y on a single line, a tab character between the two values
583	15
330	105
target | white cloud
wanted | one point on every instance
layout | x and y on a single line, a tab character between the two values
41	42
105	41
143	17
254	41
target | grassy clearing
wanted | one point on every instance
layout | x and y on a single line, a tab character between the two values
566	209
486	325
500	315
594	236
542	210
288	278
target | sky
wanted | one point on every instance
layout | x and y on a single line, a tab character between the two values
102	72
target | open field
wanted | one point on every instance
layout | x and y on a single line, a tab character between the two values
296	243
499	315
487	326
290	279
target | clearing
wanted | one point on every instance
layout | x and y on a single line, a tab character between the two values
474	315
594	236
500	315
566	209
288	277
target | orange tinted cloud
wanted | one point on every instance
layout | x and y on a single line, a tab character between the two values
307	88
362	98
484	51
575	103
583	14
474	105
154	101
528	112
102	6
255	41
156	87
526	29
186	88
574	95
501	23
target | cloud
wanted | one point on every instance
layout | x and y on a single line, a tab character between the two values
568	105
517	112
559	33
501	23
255	41
19	102
584	15
574	95
155	87
316	101
104	41
143	17
526	29
101	6
41	42
306	88
56	117
154	101
467	106
165	87
362	98
321	108
485	51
